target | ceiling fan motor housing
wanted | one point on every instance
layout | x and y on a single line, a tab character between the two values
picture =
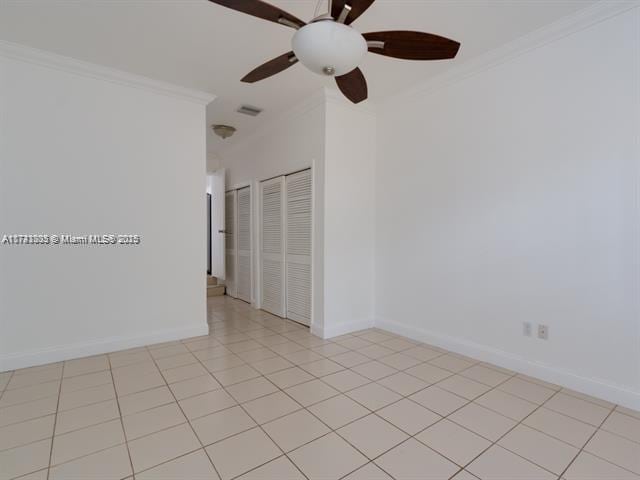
329	48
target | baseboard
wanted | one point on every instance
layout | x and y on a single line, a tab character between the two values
590	386
13	361
330	331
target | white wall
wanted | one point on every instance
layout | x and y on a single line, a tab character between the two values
82	155
511	195
213	163
349	217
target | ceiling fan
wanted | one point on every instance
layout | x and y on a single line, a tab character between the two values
329	46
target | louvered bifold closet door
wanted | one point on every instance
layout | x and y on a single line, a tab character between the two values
298	246
230	243
243	279
272	246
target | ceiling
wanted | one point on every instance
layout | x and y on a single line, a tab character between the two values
197	44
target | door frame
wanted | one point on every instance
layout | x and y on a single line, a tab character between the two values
209	234
215	186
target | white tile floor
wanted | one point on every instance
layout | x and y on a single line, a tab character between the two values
260	398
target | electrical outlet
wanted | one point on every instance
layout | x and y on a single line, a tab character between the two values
543	332
526	329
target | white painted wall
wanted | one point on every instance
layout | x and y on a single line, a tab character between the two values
213	162
82	155
349	216
511	195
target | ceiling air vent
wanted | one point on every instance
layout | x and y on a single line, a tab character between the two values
249	110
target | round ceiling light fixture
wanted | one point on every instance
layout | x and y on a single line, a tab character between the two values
224	131
329	48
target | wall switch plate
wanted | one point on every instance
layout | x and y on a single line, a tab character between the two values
543	332
526	329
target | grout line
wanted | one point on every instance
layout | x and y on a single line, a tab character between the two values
168	461
570	393
4	389
19	372
609	410
495	443
55	422
598	429
467	404
586	443
84	456
426	428
257	424
28	419
124	434
92	372
188	422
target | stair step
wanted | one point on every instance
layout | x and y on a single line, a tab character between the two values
211	280
215	290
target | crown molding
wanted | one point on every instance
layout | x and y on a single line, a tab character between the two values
15	51
596	13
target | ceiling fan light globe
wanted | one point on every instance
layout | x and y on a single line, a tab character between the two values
329	48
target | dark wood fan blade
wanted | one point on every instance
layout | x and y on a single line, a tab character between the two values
261	9
412	45
270	68
358	7
353	85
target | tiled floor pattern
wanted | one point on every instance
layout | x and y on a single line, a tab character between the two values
260	398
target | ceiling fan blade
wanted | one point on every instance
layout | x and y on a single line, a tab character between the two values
261	9
358	7
412	45
353	85
270	68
